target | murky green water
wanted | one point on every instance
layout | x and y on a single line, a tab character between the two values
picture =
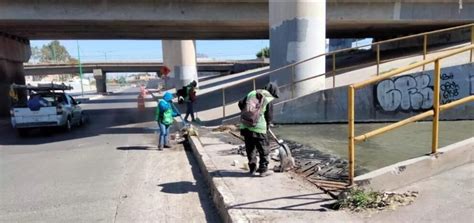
410	141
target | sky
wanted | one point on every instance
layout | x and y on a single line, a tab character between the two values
150	50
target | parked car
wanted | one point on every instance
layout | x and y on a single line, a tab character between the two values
48	106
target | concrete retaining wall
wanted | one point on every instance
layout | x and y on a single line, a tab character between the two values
221	194
389	100
413	170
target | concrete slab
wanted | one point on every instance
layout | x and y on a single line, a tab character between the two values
447	197
240	197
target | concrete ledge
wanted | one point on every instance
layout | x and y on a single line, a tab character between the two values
221	194
413	170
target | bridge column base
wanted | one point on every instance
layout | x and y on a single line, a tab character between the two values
13	52
180	57
298	32
100	80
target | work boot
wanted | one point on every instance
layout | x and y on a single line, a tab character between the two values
160	147
265	173
252	168
263	170
167	146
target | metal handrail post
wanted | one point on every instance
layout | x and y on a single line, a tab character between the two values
351	143
472	42
378	59
436	87
333	70
293	81
425	48
223	103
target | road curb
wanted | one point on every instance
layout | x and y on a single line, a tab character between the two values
222	196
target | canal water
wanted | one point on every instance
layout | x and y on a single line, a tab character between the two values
410	141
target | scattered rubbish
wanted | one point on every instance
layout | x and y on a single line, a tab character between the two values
235	163
226	128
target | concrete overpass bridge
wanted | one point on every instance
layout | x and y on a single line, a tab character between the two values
217	19
126	67
297	29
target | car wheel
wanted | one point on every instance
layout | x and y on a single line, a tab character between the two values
83	119
68	126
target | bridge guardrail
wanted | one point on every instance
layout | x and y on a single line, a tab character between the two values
334	54
434	112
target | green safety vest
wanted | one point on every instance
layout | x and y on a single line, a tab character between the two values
187	97
261	126
167	117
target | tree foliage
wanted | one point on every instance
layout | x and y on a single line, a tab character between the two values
53	52
264	53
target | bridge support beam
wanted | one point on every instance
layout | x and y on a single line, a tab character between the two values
100	80
297	32
13	52
180	57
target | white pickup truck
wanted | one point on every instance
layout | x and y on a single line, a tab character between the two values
57	109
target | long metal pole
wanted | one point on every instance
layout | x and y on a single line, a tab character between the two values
472	41
351	143
333	70
223	103
80	66
378	59
436	87
293	81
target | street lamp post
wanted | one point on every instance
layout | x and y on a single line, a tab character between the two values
80	66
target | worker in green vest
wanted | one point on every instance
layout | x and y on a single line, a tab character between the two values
164	116
256	116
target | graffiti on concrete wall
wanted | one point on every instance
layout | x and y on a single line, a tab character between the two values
449	88
415	92
405	93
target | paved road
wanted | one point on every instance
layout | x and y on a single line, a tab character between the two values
106	171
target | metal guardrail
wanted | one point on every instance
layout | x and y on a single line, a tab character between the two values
434	112
333	54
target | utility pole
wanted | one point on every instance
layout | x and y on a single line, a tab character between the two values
80	66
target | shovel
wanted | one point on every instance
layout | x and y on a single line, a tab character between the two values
286	159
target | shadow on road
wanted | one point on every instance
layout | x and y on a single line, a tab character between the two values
134	148
181	187
296	203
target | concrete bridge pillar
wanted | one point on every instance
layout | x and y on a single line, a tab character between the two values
298	32
13	52
180	57
100	80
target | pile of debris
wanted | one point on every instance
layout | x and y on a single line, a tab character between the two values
315	164
357	199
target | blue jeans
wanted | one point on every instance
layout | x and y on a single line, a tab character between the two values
189	111
164	130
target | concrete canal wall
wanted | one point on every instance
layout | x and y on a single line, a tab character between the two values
389	100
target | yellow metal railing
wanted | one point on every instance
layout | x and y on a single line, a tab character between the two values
434	112
333	54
